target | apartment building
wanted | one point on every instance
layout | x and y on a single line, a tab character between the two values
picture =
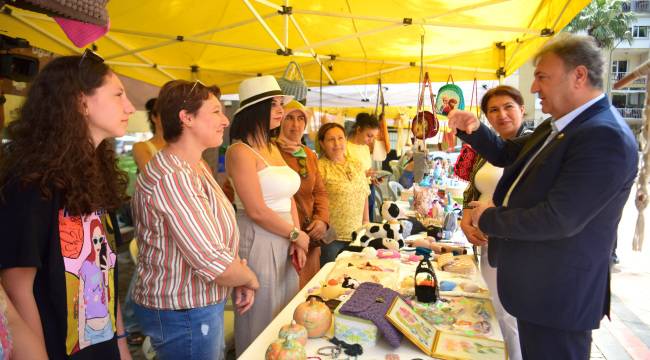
626	57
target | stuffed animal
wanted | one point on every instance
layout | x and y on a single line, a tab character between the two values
383	243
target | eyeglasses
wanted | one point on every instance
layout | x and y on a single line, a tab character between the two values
90	56
189	94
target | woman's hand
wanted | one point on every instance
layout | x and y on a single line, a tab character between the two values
317	229
473	234
300	254
302	242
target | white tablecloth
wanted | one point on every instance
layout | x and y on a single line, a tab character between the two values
257	349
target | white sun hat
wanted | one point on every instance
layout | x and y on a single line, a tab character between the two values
260	88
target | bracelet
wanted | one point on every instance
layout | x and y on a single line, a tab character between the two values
121	336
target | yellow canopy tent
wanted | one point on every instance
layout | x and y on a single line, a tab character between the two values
349	41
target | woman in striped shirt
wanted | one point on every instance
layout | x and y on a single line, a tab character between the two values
187	233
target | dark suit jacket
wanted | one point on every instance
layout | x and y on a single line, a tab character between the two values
553	241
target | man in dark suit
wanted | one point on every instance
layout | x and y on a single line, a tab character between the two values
556	209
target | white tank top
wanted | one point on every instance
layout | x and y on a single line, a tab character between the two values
486	180
278	184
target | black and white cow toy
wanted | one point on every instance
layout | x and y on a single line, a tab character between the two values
386	235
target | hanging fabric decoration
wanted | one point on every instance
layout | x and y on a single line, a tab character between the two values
425	123
467	157
382	143
293	82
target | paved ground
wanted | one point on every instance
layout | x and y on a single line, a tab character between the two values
626	336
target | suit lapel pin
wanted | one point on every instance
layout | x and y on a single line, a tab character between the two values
560	136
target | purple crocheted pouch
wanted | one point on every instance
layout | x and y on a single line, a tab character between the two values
371	301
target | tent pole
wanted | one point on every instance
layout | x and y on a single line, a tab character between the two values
418	22
141	49
353	35
559	16
144	59
271	5
396	68
313	53
466	8
193	40
286	26
264	24
46	33
174	40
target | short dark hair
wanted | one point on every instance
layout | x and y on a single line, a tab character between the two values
254	121
576	50
501	90
365	121
150	105
177	95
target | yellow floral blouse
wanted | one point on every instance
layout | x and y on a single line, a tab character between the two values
347	190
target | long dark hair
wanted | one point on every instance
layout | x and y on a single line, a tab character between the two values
50	143
254	122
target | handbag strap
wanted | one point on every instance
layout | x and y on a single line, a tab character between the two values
296	69
450	78
426	82
473	101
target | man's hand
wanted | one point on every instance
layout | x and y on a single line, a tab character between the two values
463	120
317	229
478	207
244	299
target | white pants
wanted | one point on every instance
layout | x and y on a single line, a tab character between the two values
507	322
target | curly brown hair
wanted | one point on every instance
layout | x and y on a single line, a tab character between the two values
50	144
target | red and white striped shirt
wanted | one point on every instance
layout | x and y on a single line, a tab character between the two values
187	235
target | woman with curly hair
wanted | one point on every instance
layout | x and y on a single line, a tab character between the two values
58	181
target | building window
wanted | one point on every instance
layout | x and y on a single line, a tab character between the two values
619	69
640	32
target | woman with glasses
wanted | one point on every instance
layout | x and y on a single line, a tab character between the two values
271	239
59	180
347	188
187	232
311	199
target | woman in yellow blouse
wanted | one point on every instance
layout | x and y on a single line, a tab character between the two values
347	188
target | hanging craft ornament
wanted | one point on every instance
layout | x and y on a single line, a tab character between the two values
293	82
425	123
450	97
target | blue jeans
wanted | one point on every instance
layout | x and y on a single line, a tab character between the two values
193	334
328	252
128	313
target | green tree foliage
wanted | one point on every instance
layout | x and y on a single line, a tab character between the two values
605	20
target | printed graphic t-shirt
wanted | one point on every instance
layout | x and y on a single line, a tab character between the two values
75	257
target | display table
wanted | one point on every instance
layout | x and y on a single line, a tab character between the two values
257	349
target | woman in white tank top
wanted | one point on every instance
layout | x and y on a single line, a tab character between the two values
270	236
504	108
